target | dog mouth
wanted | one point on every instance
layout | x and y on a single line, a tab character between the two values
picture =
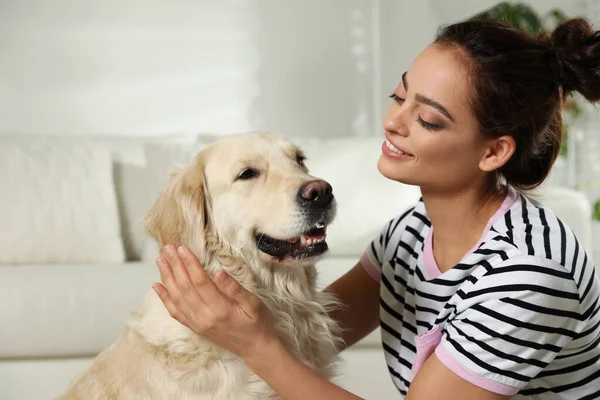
309	244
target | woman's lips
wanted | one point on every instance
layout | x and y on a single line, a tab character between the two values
391	150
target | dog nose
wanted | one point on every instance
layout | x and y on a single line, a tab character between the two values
318	193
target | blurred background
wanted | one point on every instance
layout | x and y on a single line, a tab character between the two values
155	70
306	68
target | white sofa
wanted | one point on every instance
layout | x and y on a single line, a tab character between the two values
56	315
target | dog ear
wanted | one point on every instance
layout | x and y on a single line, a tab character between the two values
180	214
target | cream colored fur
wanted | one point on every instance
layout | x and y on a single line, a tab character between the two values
204	208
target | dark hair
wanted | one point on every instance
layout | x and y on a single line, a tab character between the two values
519	83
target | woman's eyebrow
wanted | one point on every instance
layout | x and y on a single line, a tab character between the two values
426	100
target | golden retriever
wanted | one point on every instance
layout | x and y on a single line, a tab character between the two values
245	204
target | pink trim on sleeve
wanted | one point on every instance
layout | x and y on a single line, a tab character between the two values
373	271
449	361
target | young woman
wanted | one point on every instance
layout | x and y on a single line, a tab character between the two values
480	292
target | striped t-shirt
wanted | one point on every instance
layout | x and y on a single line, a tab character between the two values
518	315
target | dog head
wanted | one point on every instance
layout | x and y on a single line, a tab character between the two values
251	194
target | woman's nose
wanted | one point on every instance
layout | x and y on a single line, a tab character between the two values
397	121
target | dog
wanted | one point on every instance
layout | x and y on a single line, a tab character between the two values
248	205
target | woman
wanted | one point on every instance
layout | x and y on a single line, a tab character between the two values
480	293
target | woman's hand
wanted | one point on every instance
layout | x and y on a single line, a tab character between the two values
237	320
220	310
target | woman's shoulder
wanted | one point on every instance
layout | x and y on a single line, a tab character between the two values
538	233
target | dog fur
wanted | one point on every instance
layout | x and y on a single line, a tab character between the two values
206	209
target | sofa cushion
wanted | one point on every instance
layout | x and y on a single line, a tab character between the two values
130	175
59	203
68	310
133	181
80	309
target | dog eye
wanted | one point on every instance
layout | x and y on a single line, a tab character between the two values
247	174
300	159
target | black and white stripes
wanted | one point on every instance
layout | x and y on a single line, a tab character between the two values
520	313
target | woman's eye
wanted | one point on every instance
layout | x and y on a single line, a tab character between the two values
428	125
247	174
397	98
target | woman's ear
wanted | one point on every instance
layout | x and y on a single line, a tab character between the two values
498	152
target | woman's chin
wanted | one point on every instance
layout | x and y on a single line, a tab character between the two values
394	171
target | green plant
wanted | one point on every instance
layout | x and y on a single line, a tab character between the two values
523	16
596	211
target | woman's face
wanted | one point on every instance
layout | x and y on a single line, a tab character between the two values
432	138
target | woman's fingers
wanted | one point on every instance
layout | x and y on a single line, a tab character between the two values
169	283
230	287
174	311
181	284
204	285
191	290
220	309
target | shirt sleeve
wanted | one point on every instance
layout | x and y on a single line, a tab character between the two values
511	323
374	255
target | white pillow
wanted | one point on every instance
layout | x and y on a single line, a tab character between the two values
129	173
366	199
132	182
58	204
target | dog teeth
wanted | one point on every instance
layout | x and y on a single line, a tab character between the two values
306	241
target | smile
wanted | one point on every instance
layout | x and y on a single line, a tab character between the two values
394	149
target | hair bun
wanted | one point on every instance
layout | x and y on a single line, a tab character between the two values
577	49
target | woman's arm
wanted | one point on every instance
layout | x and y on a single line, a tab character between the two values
359	295
237	320
290	378
435	381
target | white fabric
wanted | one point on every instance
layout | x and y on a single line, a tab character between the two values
133	181
362	371
38	379
366	200
75	310
58	204
68	310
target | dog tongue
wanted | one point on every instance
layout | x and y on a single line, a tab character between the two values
294	240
